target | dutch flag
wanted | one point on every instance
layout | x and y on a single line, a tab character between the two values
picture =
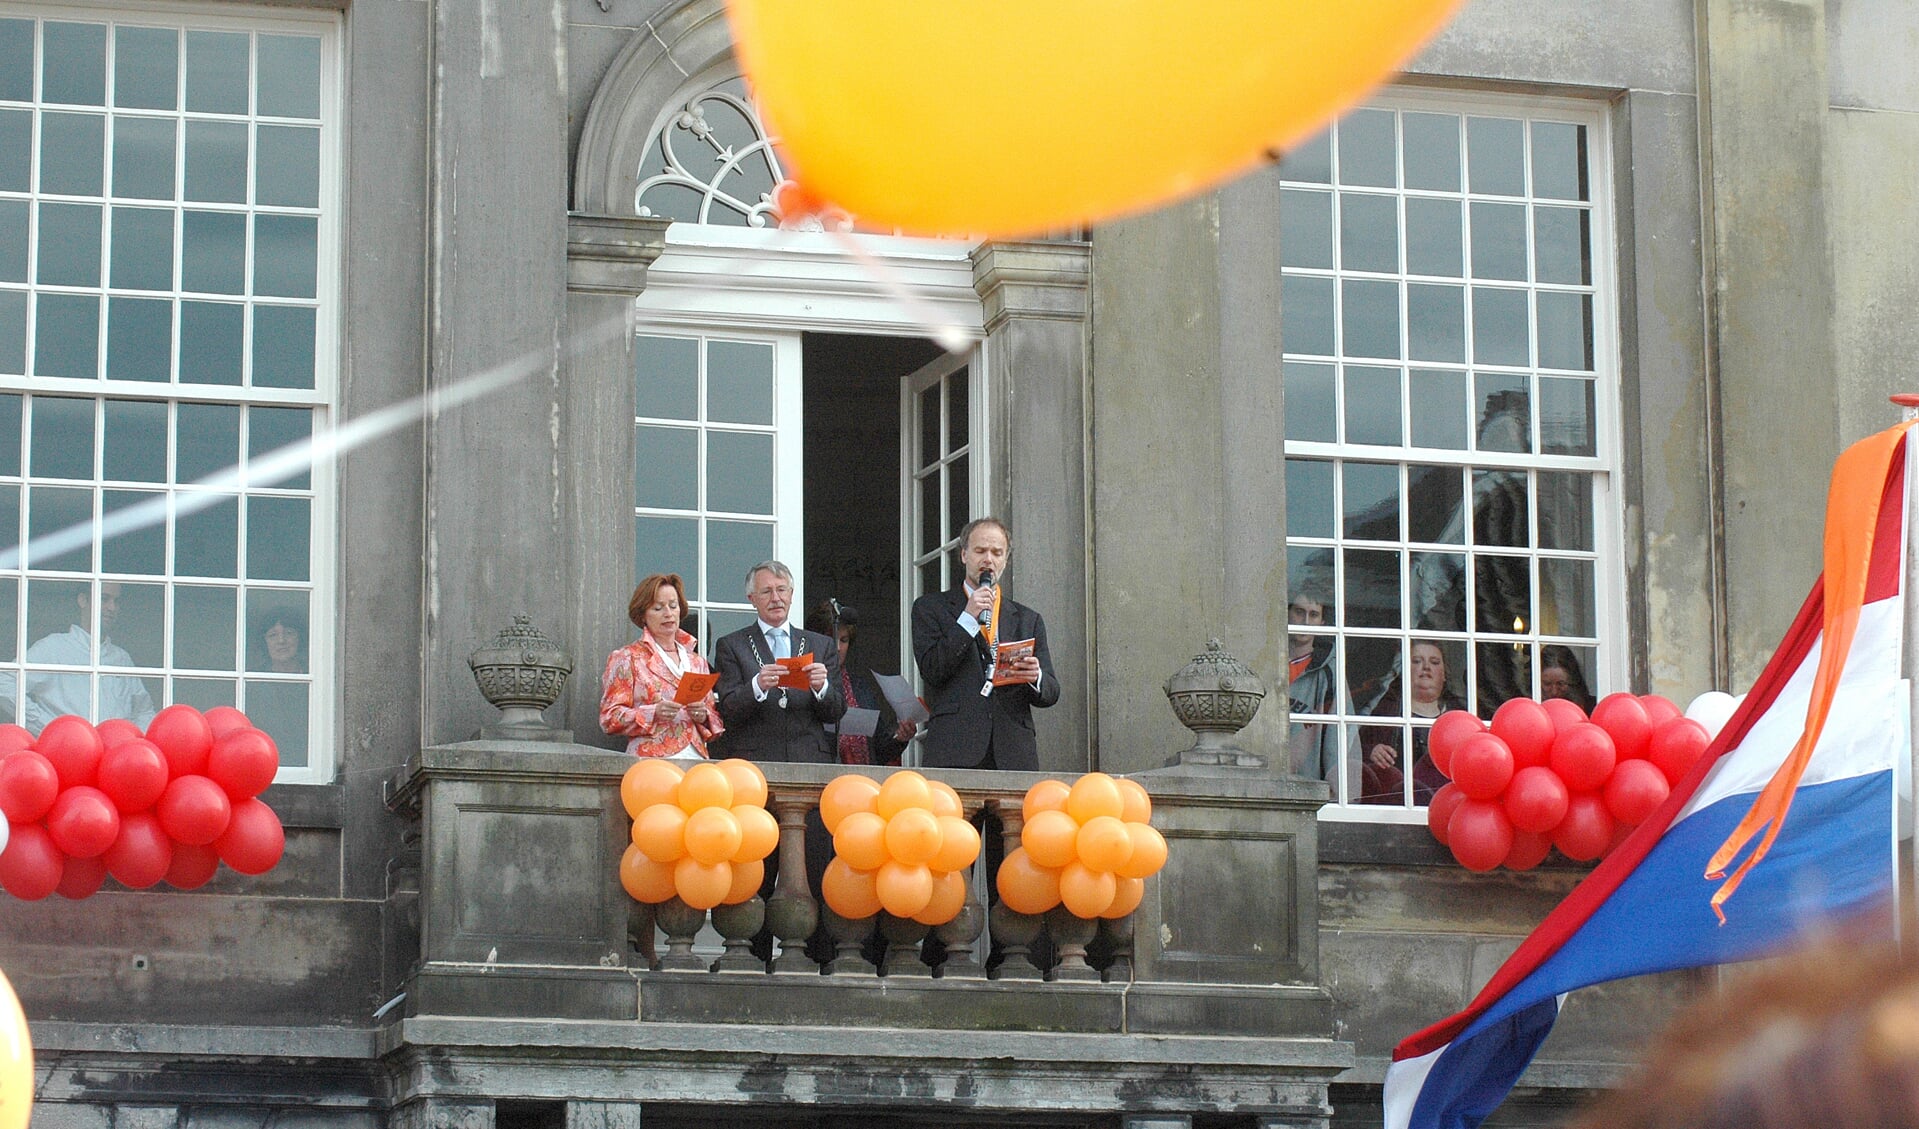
1800	788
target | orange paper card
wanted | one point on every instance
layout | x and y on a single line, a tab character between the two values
694	687
795	677
1004	656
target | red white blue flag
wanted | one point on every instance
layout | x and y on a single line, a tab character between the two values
1798	789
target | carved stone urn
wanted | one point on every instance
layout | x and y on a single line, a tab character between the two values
1216	696
521	672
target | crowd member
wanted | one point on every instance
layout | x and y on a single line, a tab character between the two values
50	695
1382	777
765	721
977	724
637	691
1313	687
1560	677
861	691
281	642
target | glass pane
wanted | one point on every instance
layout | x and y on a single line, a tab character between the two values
667	544
146	65
1566	597
10	538
1306	229
289	76
208	441
286	255
16	149
739	472
1371	501
959	506
66	335
269	429
72	148
57	509
1564	672
1499	508
217	72
1562	243
1436	322
1432	151
213	249
217	162
283	340
1439	409
666	468
1505	421
16	60
1309	403
1372	588
1309	588
1372	405
62	435
1306	315
1502	593
1369	318
718	623
1499	241
54	609
13	240
1366	149
1559	160
1565	416
1436	507
1372	664
211	335
1500	327
1565	510
141	549
280	710
1309	498
279	538
10	413
929	412
667	383
206	539
75	64
959	416
205	693
739	382
1434	237
276	639
1493	156
732	547
69	245
1310	160
143	157
930	512
287	171
1565	331
13	331
929	576
1504	672
1368	232
132	619
1439	591
143	248
9	635
135	445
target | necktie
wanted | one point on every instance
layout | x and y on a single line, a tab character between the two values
777	640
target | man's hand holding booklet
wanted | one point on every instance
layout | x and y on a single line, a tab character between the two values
1007	658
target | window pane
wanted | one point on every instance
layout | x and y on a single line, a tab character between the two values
1436	322
132	627
205	622
286	255
279	538
217	72
72	148
134	448
739	382
931	511
10	413
13	240
66	334
206	539
1566	597
55	608
1432	151
69	245
283	342
56	509
1366	149
75	67
667	544
1500	325
1565	416
1437	506
1306	229
732	547
1306	315
1433	237
1309	402
1562	245
1503	594
16	60
959	416
141	550
1368	232
1372	405
13	331
287	171
929	425
1309	498
143	158
1499	241
1439	591
1504	672
1310	160
1372	588
62	438
280	710
217	162
205	693
1566	672
1565	510
289	76
210	342
666	468
213	252
1559	160
146	63
1371	501
143	248
208	441
268	430
9	633
1565	331
1505	414
668	378
739	472
1493	156
959	506
277	631
16	149
1499	508
1439	409
1369	318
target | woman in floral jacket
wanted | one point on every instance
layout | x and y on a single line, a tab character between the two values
636	696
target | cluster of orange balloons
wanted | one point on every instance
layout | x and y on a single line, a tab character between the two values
1088	847
701	835
900	847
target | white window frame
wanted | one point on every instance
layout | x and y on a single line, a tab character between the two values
912	458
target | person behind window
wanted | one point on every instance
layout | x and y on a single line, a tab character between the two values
280	643
50	695
1382	777
1560	677
889	739
1313	686
636	696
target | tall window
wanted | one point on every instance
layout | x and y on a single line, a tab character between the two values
166	303
1449	385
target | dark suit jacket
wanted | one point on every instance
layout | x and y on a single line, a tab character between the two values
967	725
762	731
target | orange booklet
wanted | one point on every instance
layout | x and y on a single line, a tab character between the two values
694	687
795	677
1004	656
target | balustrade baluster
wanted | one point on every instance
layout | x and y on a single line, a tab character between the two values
681	924
1013	932
792	911
961	935
1071	934
737	924
903	936
849	937
639	933
1118	934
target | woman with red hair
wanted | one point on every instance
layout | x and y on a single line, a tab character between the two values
637	691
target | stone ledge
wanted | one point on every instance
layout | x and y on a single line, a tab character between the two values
204	1041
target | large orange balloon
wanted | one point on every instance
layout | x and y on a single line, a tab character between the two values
1094	794
1084	891
845	795
643	879
747	878
1149	852
1127	893
702	885
16	1061
959	845
712	835
1135	805
902	790
1025	886
651	780
759	833
705	786
660	831
850	893
1088	108
1047	795
749	783
913	836
1102	843
1051	838
949	897
861	841
946	801
904	890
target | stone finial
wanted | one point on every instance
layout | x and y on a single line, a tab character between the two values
1216	696
521	672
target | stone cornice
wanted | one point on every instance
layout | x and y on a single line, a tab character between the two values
1044	280
611	254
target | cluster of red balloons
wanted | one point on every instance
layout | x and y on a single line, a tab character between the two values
701	835
1089	847
85	801
1545	775
899	846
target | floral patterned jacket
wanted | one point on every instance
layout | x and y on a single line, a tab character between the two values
636	680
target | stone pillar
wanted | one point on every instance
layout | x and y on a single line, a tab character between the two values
442	1113
1035	356
603	1115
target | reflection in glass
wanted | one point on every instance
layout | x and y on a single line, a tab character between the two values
1568	672
1366	149
69	245
1368	232
277	631
213	249
1493	156
54	607
1499	241
210	342
143	248
143	158
1500	513
1562	245
1372	405
134	445
1309	402
9	633
669	544
667	377
279	538
1565	510
72	153
1565	331
1502	595
1372	665
132	618
207	440
1432	151
51	509
739	382
1439	591
666	468
1434	237
206	541
286	255
75	66
732	547
10	523
280	709
1372	588
1565	416
1309	498
145	67
1566	597
1436	322
62	435
283	339
1306	229
269	429
1502	671
66	330
1369	318
1559	160
217	72
739	472
217	162
143	550
287	171
1306	315
1311	160
1371	500
1500	325
1436	507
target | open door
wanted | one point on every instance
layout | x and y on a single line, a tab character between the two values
942	477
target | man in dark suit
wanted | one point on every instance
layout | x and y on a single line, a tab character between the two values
954	633
765	722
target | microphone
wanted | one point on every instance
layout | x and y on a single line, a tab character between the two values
986	613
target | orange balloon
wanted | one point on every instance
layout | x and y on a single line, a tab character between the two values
651	780
705	786
712	835
861	841
702	885
1149	852
1127	893
759	833
1102	843
643	879
913	836
749	783
845	795
1086	892
661	832
1094	794
1025	886
1135	805
1047	795
945	800
850	893
904	890
959	845
747	877
1051	838
16	1061
902	790
949	897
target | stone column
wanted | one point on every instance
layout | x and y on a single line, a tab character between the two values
442	1113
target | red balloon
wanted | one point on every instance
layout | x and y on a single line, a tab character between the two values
1586	832
194	810
1624	719
184	736
243	762
140	857
1481	834
1530	848
1526	728
1674	748
254	840
1439	811
133	774
13	738
1636	790
1583	756
1565	713
28	786
74	747
1452	728
83	822
1482	766
225	719
1659	709
192	866
81	878
1536	799
31	866
117	731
